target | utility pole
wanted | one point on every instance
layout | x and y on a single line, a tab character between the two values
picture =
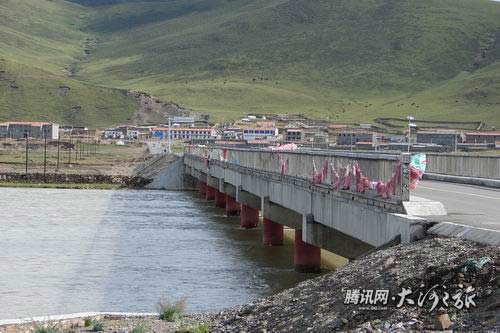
45	152
58	152
27	142
410	119
70	143
169	136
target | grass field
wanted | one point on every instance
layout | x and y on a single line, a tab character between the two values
40	43
341	60
107	159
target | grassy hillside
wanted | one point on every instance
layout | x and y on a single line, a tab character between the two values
40	41
343	60
347	60
28	93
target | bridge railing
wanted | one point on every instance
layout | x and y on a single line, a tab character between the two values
464	165
301	164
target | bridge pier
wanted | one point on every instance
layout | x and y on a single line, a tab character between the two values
272	233
249	217
203	188
220	199
233	207
210	193
307	257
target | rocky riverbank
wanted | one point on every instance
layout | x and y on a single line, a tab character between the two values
407	272
70	180
432	284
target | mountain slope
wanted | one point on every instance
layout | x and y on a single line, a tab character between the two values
343	60
40	41
328	58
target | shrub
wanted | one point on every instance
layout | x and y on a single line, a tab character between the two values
97	326
139	329
200	328
45	328
87	322
171	311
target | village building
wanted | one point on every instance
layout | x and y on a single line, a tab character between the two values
442	137
294	134
232	133
114	133
184	133
37	130
258	130
350	138
488	137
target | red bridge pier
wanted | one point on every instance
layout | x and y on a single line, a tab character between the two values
249	217
210	193
233	207
202	188
220	199
307	257
272	233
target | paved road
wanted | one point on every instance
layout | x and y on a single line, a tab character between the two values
465	204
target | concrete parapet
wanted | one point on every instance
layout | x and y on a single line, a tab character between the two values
493	183
476	166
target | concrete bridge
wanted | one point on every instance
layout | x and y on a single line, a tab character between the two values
279	187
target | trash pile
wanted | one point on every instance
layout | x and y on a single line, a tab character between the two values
432	284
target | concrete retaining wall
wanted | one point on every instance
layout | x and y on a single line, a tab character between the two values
170	177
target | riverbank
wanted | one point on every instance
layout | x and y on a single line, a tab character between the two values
403	280
69	186
111	322
70	181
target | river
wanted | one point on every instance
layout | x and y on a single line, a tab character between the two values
66	251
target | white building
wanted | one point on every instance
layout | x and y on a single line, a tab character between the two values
133	133
256	133
113	133
183	133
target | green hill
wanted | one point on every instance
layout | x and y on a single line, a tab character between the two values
40	41
342	60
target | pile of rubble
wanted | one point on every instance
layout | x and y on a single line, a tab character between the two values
432	284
